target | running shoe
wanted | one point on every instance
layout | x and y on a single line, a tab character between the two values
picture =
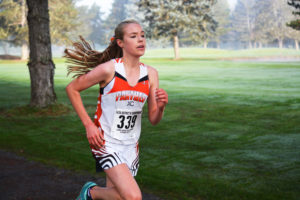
84	189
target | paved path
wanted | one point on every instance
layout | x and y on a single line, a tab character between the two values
21	179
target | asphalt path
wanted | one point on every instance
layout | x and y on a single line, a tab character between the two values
22	179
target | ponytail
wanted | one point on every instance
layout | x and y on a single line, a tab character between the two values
83	58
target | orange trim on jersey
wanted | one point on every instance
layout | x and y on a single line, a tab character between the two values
99	114
118	60
122	85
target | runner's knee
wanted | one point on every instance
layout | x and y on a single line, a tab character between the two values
133	195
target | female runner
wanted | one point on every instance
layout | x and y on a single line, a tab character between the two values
125	85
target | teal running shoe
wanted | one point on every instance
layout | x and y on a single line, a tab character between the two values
84	189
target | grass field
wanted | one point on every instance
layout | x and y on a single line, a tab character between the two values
212	54
231	130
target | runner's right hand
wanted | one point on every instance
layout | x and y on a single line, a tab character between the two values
94	136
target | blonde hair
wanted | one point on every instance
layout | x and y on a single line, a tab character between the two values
83	58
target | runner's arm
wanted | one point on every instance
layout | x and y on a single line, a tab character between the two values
158	98
99	74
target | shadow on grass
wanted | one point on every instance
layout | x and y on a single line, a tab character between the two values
27	110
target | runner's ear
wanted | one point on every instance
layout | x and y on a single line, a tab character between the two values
120	43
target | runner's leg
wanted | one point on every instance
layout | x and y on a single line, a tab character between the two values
122	179
124	185
109	183
105	193
109	191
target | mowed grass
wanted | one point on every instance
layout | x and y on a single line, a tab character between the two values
211	53
230	131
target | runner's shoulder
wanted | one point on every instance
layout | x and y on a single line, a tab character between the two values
106	68
151	71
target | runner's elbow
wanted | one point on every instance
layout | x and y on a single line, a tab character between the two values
68	88
153	121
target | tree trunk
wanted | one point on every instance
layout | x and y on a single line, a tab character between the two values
25	51
218	45
280	43
296	44
250	44
205	44
41	66
4	47
176	47
260	45
249	27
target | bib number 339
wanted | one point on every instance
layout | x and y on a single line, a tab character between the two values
126	124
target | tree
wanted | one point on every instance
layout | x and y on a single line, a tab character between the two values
261	23
295	24
277	29
84	17
132	11
14	27
203	21
221	14
90	20
170	18
295	35
96	23
117	15
41	66
63	21
243	21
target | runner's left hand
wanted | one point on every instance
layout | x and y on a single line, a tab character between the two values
161	98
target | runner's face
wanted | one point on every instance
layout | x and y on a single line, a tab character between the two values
134	42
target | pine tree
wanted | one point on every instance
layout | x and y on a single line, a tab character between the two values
90	19
203	21
132	11
63	21
172	18
117	14
221	13
84	17
243	21
261	22
295	24
277	29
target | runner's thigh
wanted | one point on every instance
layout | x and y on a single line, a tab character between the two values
122	179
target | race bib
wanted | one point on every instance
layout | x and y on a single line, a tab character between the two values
126	125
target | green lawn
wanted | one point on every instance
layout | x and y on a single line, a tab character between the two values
220	53
231	129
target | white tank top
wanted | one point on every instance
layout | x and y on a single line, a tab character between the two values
119	108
